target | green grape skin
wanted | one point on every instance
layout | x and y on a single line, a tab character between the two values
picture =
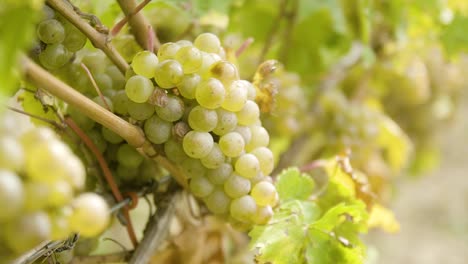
217	202
190	58
157	130
47	13
219	175
95	61
197	144
265	159
243	208
207	42
139	111
210	93
36	194
227	122
168	74
98	140
193	167
107	105
200	186
118	79
174	151
120	102
60	194
214	159
129	156
125	173
209	59
54	56
74	38
168	51
36	135
224	71
184	43
264	193
263	215
173	110
247	166
187	87
139	88
104	82
249	114
259	138
59	222
202	119
231	144
251	91
236	96
50	31
12	192
90	214
245	132
11	153
144	63
236	186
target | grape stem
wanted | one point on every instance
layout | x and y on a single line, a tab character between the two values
98	39
96	87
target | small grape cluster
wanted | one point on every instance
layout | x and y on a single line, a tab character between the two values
39	183
193	103
59	39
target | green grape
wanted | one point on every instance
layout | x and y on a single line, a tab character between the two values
184	43
260	138
118	79
210	93
107	105
12	192
193	168
11	153
90	214
202	119
80	119
200	186
110	136
50	31
174	151
214	159
126	173
129	156
190	58
236	96
197	144
75	172
249	114
168	51
139	88
251	91
263	215
74	38
59	223
243	208
47	12
187	87
36	195
54	56
245	132
28	231
157	130
227	122
264	194
208	42
95	61
168	74
104	82
224	71
139	111
144	63
236	186
209	59
231	144
173	110
219	175
247	166
98	140
217	202
265	158
60	193
36	135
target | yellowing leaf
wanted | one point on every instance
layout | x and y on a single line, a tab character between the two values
381	217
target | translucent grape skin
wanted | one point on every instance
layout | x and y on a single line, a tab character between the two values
174	151
139	88
217	202
173	110
210	93
192	167
54	56
190	58
243	208
224	71
265	159
168	51
201	186
249	114
259	138
264	194
144	63
214	159
219	175
227	122
129	156
202	119
168	74
157	130
90	214
50	31
208	42
231	144
188	85
262	215
11	190
139	111
236	96
35	228
247	166
197	144
74	38
236	186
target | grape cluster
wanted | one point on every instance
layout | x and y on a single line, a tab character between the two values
39	183
59	39
194	105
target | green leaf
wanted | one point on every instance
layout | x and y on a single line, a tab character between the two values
453	37
292	184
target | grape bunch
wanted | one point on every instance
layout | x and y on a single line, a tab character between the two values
193	104
40	184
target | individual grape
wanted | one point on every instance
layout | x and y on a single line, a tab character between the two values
188	85
12	193
227	122
125	173
265	194
168	74
236	96
28	231
202	119
168	51
265	158
208	42
74	38
197	144
174	151
98	140
219	175
243	208
47	12
81	120
217	202
193	168
36	135
173	110
157	130
90	214
129	156
106	103
190	58
209	59
139	88
144	63
75	172
210	93
118	79
104	82
251	91
60	193
247	166
249	114
11	153
139	111
214	159
184	43
54	56
50	31
236	186
224	71
245	132
260	138
59	223
200	186
110	136
231	144
36	194
263	215
95	61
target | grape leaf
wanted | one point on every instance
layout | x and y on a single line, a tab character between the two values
294	185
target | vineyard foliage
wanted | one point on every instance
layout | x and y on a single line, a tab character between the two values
288	120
